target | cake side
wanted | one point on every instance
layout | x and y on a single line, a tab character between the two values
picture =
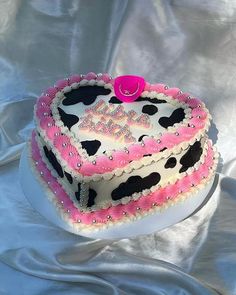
158	200
129	185
101	159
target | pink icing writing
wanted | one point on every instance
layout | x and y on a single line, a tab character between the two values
118	113
109	128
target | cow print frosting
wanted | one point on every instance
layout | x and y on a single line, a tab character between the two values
152	100
115	100
141	137
149	109
91	197
68	119
171	163
191	157
84	94
77	194
53	160
91	146
177	116
69	177
135	184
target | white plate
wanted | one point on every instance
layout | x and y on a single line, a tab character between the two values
37	197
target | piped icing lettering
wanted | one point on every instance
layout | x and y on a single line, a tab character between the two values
109	129
107	119
118	113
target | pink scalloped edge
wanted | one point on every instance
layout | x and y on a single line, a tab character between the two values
116	213
120	158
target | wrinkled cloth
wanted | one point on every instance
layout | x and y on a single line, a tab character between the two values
188	44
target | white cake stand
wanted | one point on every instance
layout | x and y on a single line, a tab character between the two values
37	197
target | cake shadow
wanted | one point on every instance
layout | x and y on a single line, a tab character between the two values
208	197
213	133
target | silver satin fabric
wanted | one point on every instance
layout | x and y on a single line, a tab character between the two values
189	44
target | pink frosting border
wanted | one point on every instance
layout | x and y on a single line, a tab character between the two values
116	213
120	158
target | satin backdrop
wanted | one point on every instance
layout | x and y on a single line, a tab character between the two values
189	44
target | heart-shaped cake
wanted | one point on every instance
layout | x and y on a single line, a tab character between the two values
115	150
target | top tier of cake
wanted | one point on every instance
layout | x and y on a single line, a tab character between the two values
104	123
94	134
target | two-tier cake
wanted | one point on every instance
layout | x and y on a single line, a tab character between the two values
111	151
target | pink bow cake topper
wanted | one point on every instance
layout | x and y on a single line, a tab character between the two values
128	88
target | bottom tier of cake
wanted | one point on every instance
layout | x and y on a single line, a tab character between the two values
158	201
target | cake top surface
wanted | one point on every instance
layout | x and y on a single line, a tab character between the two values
97	125
105	123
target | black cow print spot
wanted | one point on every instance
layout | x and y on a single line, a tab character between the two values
147	155
177	116
149	109
84	94
91	197
69	177
171	163
141	137
53	160
162	150
135	184
152	100
115	100
77	194
68	119
91	146
191	157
